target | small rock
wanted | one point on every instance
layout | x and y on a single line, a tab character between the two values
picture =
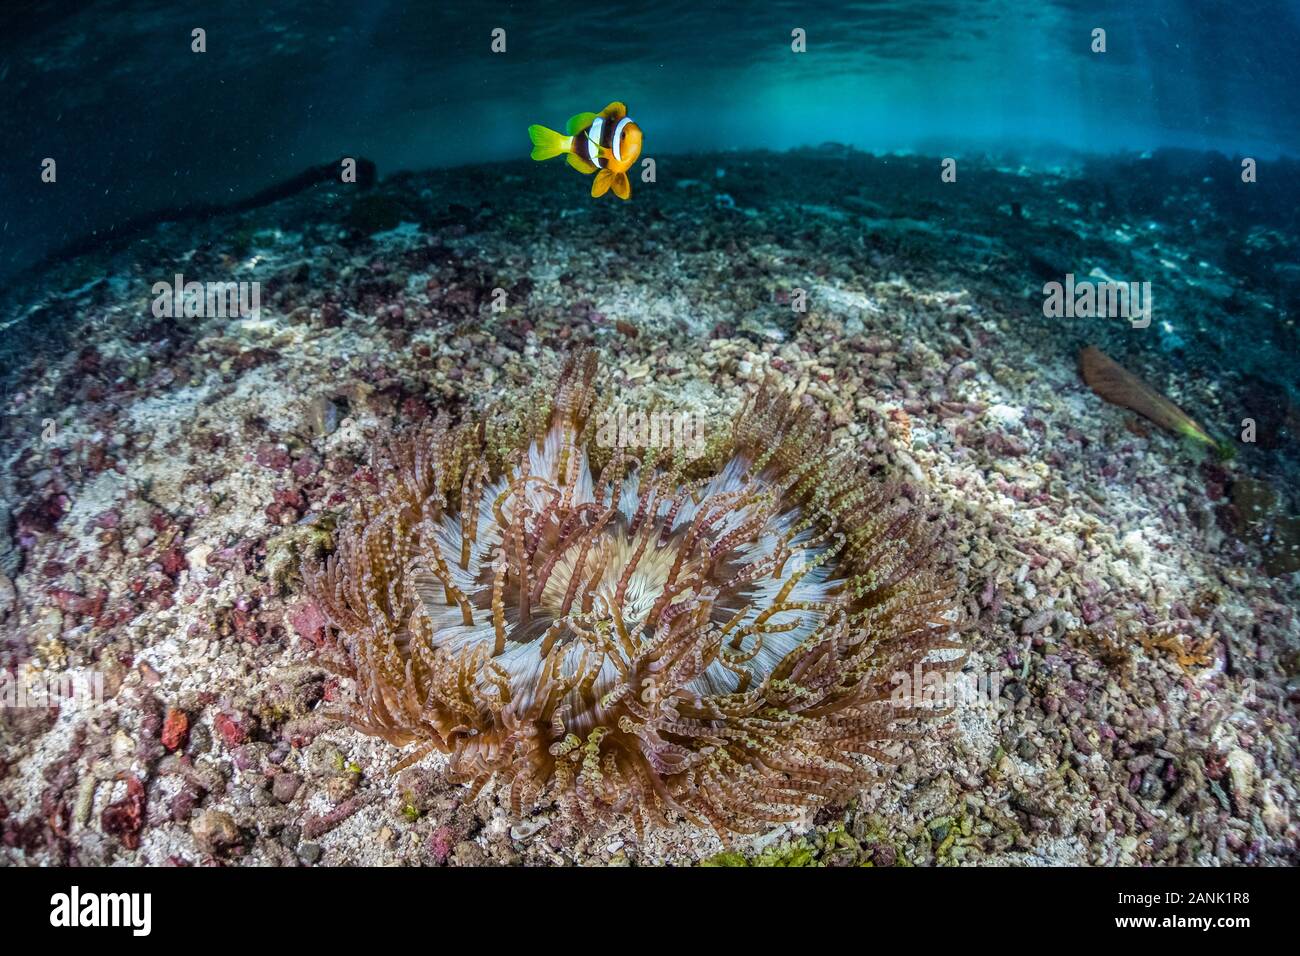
1242	773
176	728
468	853
1275	815
323	758
324	416
215	831
285	786
183	804
341	786
525	829
309	623
440	844
1036	622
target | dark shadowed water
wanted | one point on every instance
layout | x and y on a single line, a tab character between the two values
136	121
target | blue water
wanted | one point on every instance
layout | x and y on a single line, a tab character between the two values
138	122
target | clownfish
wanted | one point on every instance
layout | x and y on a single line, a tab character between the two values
606	143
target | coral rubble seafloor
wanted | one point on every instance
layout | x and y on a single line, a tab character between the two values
1129	596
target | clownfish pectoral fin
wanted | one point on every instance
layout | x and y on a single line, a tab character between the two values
580	164
604	179
578	122
547	142
622	188
614	111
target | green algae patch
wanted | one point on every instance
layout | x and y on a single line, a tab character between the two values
798	853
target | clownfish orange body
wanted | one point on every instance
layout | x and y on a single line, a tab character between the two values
605	143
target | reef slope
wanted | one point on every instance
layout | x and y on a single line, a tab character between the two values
1116	587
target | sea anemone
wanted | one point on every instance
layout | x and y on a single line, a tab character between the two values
632	633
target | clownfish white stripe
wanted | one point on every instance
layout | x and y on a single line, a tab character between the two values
618	137
593	141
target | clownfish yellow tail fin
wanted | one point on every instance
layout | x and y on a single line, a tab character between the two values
547	143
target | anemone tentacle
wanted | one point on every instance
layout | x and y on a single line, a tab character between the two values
717	638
